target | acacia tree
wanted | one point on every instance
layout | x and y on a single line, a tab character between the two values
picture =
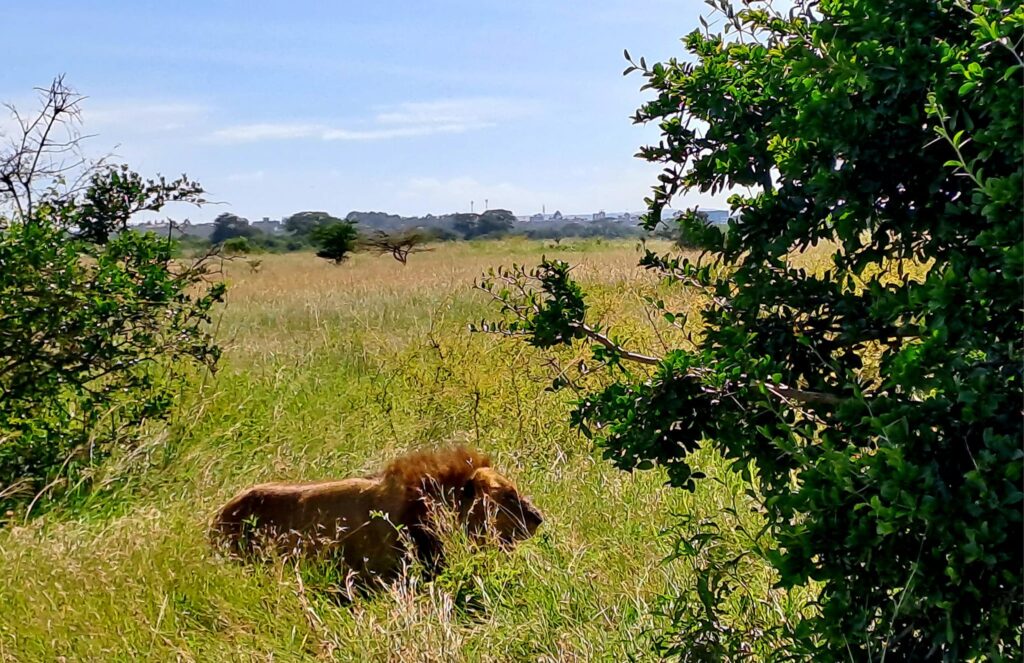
874	404
399	244
335	241
97	323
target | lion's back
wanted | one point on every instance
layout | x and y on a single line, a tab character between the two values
356	515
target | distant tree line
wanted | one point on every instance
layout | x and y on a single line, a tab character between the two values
391	234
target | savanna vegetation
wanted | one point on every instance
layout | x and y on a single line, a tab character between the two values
326	372
801	440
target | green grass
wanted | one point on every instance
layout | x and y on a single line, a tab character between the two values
328	372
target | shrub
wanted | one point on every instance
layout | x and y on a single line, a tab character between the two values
97	322
890	136
237	246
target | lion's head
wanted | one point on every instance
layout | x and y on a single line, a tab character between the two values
486	503
493	507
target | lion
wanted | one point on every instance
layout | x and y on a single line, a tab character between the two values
375	522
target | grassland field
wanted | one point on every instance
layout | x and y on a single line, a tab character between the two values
328	372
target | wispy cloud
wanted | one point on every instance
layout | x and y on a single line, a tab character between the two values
127	121
399	121
251	133
479	110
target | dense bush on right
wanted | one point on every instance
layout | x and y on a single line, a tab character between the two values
873	404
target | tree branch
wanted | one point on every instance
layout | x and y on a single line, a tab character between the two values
611	345
781	391
527	306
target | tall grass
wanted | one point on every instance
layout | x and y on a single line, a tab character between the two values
330	371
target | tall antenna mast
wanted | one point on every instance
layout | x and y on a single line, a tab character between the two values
471	207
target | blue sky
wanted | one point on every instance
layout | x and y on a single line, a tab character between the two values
400	106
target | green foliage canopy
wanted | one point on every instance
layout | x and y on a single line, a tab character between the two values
302	224
399	244
236	246
335	241
227	226
873	405
493	223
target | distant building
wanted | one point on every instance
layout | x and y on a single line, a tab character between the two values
600	216
537	218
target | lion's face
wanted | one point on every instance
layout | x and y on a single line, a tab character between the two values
497	509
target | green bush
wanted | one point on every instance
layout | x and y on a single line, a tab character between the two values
874	403
237	246
95	320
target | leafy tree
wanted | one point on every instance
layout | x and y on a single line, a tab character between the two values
495	222
572	229
491	223
228	225
874	403
302	224
466	224
97	322
399	244
335	241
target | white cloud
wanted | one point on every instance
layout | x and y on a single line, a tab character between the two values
399	121
254	133
251	133
403	132
479	110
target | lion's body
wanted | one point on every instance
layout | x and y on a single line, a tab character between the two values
355	516
372	520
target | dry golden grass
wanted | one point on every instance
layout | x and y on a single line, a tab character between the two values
327	372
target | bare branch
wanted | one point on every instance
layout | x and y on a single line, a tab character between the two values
778	390
619	350
518	300
36	160
802	396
